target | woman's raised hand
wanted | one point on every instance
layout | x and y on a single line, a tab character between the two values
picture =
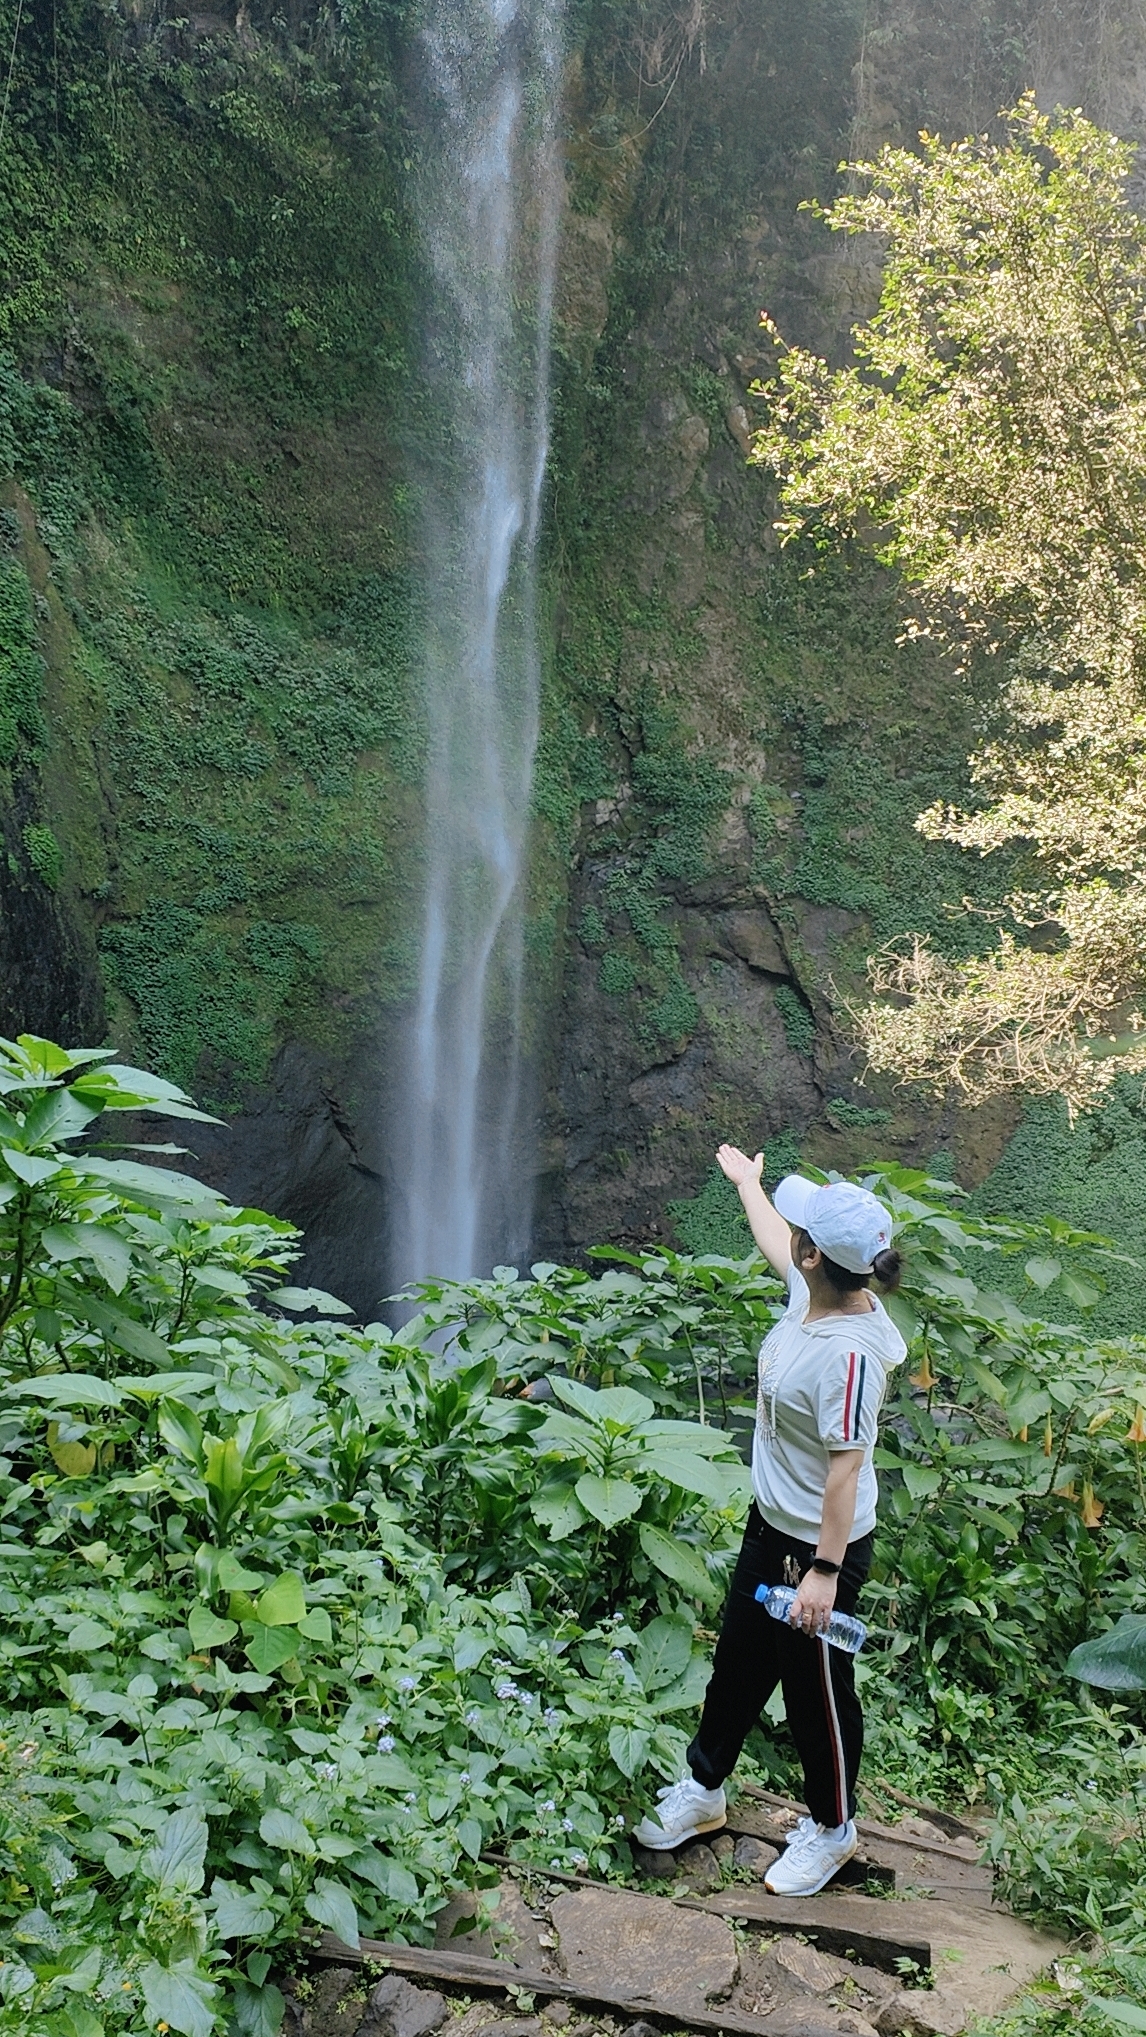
738	1167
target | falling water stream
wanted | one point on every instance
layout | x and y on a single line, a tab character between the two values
488	197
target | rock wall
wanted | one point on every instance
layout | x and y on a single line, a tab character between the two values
205	405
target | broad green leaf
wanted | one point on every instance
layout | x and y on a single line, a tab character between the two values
107	1251
89	1637
221	1280
180	1996
1119	2010
69	1390
316	1626
157	1185
470	1648
629	1748
699	1436
558	1509
278	1828
62	1115
169	1385
175	1863
120	1329
77	2020
611	1404
259	2011
298	1299
1082	1293
269	1647
28	1168
677	1560
330	1904
1042	1273
388	1771
116	1088
722	1484
608	1500
182	1431
921	1480
207	1630
663	1651
470	1837
283	1603
1115	1660
400	1885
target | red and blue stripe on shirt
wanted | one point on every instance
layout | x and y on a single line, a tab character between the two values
853	1395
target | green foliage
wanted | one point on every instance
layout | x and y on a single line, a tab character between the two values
616	975
713	1219
852	1117
23	731
45	855
796	1019
294	1621
1092	1173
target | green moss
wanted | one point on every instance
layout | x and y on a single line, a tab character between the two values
796	1019
616	975
44	855
854	1117
23	731
712	1220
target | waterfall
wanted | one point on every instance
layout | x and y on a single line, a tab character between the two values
488	201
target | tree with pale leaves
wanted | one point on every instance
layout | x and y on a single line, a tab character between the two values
989	442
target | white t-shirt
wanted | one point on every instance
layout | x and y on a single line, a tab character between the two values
821	1386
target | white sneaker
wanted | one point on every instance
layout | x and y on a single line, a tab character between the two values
810	1859
683	1811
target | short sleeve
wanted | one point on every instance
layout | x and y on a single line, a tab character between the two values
848	1397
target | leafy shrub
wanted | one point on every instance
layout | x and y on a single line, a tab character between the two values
301	1618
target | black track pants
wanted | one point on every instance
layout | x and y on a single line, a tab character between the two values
756	1652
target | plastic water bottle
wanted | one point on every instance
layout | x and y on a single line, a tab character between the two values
844	1630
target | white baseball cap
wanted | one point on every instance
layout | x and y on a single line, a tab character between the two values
846	1222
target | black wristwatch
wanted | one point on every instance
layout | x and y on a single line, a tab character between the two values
825	1567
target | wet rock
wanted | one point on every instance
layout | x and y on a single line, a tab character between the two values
657	1866
640	2029
559	2014
700	1869
754	1856
671	1958
724	1847
396	2008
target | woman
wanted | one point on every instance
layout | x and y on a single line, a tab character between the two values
822	1374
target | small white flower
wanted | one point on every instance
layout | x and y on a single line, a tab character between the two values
526	1697
616	1619
385	1743
411	1796
507	1690
465	1777
407	1683
580	1860
473	1718
619	1821
616	1654
549	1805
566	1824
551	1716
555	1863
327	1769
380	1721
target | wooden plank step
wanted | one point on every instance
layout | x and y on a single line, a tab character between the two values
467	1969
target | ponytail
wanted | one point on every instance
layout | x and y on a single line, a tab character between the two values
888	1269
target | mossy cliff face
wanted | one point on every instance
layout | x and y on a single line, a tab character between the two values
210	735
